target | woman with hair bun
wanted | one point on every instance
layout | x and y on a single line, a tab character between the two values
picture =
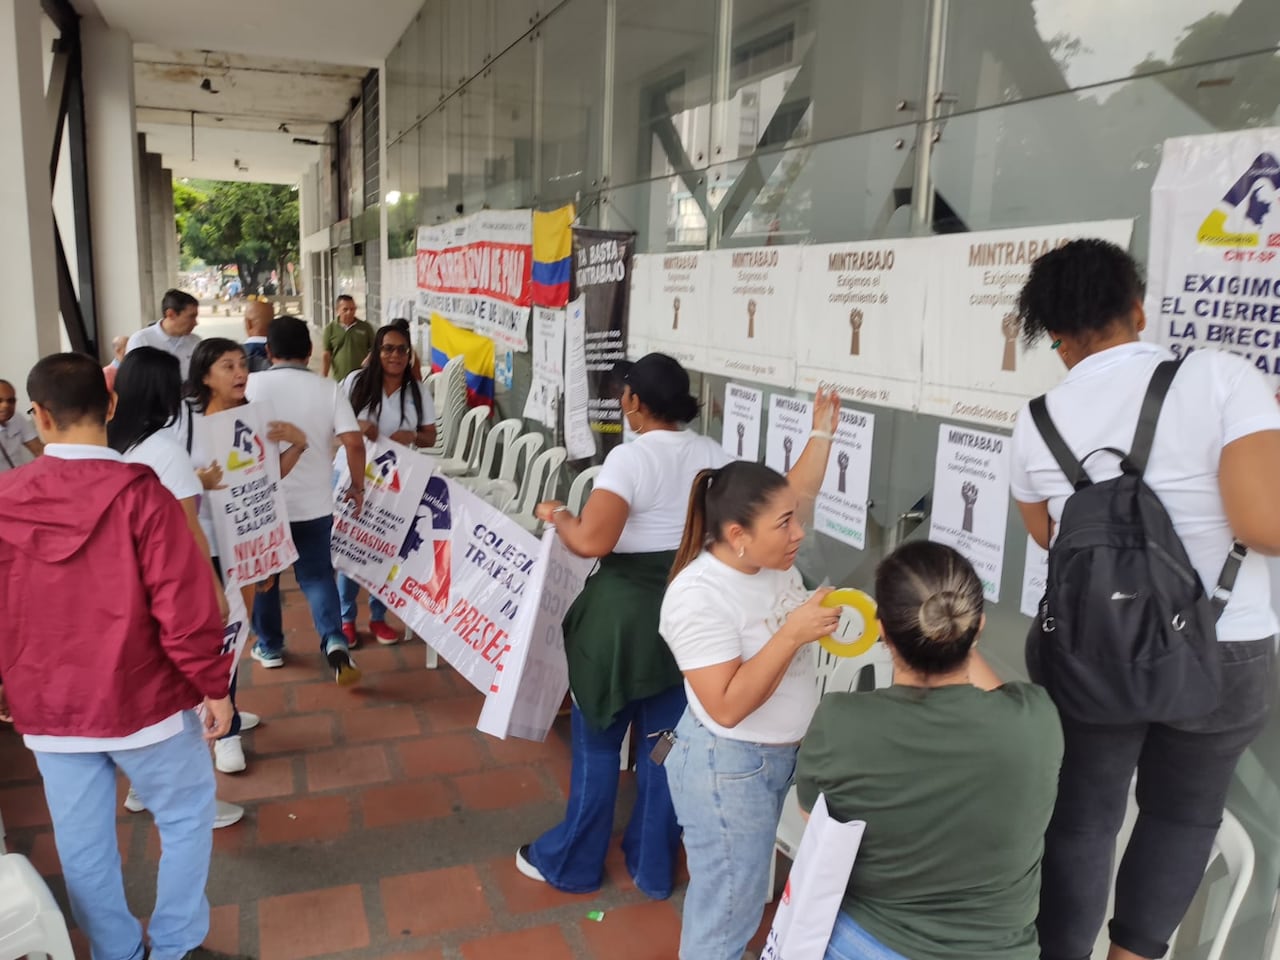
954	773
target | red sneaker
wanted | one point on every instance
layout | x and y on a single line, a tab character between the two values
353	638
382	633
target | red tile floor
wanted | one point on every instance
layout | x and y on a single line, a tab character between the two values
379	824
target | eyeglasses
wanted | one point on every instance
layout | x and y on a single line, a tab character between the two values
395	349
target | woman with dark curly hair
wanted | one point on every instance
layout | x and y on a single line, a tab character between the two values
1213	465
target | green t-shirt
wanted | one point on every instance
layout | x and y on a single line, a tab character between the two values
956	786
347	347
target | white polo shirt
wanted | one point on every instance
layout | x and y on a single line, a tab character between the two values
320	409
1216	398
180	347
14	436
391	418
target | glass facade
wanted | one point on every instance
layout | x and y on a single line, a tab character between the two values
714	123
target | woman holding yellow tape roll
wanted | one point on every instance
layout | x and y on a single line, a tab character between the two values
739	621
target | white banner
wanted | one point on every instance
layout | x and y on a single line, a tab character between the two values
543	403
975	367
790	423
971	499
235	634
367	546
742	413
249	519
679	307
1214	274
841	511
1035	576
638	306
529	687
862	306
753	314
579	441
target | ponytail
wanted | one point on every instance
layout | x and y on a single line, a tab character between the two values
695	523
736	493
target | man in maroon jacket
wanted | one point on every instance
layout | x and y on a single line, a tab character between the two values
112	640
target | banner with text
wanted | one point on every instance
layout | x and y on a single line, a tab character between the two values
477	272
1214	274
250	524
753	314
975	367
602	281
679	307
543	402
790	422
971	499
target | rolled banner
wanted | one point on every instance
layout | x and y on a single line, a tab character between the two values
858	629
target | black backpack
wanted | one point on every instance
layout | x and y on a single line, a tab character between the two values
1125	632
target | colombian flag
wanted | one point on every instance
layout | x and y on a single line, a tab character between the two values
448	341
552	254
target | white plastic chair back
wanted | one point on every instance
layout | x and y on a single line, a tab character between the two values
30	921
467	448
504	490
539	482
500	436
579	489
451	404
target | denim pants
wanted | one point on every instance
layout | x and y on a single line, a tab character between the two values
728	796
850	942
314	572
349	592
1183	771
571	855
174	778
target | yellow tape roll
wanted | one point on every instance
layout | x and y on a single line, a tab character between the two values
858	628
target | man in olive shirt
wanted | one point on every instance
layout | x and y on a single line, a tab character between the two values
346	341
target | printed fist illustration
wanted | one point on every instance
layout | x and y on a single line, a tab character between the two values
787	445
842	464
1010	326
855	325
742	435
970	494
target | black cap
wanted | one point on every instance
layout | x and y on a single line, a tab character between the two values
660	383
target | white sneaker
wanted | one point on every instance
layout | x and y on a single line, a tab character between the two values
527	868
248	721
133	802
228	813
228	755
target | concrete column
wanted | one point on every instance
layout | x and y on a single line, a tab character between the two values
159	231
147	163
29	323
169	236
114	181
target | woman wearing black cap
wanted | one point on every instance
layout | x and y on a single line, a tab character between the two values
621	673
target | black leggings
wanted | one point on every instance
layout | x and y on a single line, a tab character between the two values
1183	774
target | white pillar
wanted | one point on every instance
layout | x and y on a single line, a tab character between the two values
29	322
114	182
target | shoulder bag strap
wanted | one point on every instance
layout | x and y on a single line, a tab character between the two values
7	459
1149	415
1071	466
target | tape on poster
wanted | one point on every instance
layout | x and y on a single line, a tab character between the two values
858	629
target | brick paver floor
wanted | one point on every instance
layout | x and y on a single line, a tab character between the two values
379	824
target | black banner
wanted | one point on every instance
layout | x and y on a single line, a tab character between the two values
602	277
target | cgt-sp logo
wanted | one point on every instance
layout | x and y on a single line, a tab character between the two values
383	472
247	448
1247	210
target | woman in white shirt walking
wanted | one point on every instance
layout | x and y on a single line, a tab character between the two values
1213	464
388	403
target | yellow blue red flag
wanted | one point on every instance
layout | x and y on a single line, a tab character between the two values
449	341
552	256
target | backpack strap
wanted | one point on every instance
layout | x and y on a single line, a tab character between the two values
1149	415
1071	466
1221	595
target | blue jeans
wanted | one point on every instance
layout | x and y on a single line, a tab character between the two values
571	855
728	796
850	942
348	592
314	572
174	778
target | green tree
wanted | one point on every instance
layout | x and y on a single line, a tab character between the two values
253	225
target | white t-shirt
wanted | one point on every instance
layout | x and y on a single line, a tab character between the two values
1216	398
390	419
714	614
180	347
654	475
320	409
171	463
14	436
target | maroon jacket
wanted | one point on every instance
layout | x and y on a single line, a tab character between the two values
110	620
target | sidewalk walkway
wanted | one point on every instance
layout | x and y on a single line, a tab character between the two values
379	824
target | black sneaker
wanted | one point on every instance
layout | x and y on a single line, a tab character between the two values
203	953
345	671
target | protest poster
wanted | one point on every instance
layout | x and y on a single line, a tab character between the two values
602	281
863	310
841	510
1213	278
529	686
477	272
975	366
365	546
679	307
235	634
753	314
543	402
742	413
639	306
250	524
579	441
790	422
971	499
1035	577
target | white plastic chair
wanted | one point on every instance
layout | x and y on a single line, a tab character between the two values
500	437
30	921
580	488
503	490
451	403
467	449
1271	950
539	484
835	675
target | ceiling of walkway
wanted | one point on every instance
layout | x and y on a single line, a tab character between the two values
224	89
